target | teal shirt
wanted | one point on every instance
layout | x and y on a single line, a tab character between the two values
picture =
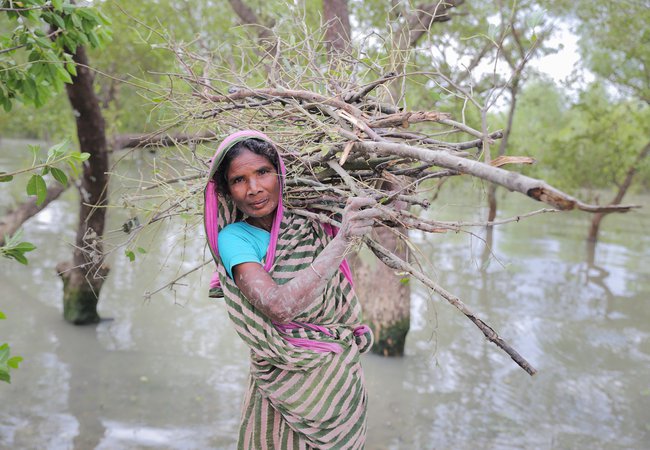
240	242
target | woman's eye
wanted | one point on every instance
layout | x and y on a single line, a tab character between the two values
264	171
236	180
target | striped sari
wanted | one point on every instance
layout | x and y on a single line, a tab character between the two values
306	387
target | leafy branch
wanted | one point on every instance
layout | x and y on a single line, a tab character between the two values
57	155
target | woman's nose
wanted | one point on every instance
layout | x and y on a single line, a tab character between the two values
253	186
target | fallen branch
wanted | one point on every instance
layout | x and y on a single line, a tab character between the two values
14	219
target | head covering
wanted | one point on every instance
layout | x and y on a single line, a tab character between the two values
219	213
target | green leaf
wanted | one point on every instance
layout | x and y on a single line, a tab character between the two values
88	14
63	74
24	247
18	257
36	186
14	361
76	20
73	167
6	104
4	375
72	69
104	18
35	149
4	353
2	316
58	5
58	21
92	37
141	250
81	157
57	150
5	178
129	254
59	175
29	89
536	18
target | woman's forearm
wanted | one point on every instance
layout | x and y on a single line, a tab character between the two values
292	298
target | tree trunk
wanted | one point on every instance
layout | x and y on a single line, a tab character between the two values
386	300
596	220
83	277
503	147
337	33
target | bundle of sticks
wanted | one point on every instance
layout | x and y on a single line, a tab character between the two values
348	143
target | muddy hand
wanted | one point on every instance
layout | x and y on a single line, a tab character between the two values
358	217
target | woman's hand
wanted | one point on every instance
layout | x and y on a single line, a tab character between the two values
358	217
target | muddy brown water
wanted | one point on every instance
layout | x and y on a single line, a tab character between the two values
169	372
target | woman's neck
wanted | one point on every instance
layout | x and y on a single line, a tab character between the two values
265	223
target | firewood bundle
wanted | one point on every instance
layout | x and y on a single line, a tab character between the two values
342	142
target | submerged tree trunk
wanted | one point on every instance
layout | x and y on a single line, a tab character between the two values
503	145
84	276
596	220
386	300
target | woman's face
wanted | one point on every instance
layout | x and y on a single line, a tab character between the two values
254	187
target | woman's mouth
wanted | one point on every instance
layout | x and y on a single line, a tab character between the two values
259	204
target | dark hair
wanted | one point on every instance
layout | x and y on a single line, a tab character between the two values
254	145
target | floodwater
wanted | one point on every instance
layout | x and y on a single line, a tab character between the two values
169	372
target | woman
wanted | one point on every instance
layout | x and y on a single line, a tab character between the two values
289	294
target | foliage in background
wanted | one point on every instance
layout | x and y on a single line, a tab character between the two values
614	39
598	139
34	64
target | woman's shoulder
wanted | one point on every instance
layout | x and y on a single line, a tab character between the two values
238	234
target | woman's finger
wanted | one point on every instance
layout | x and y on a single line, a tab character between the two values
355	203
371	213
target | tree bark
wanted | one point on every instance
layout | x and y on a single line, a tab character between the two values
385	301
596	220
84	276
338	31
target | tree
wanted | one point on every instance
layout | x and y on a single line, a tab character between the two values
50	38
613	42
